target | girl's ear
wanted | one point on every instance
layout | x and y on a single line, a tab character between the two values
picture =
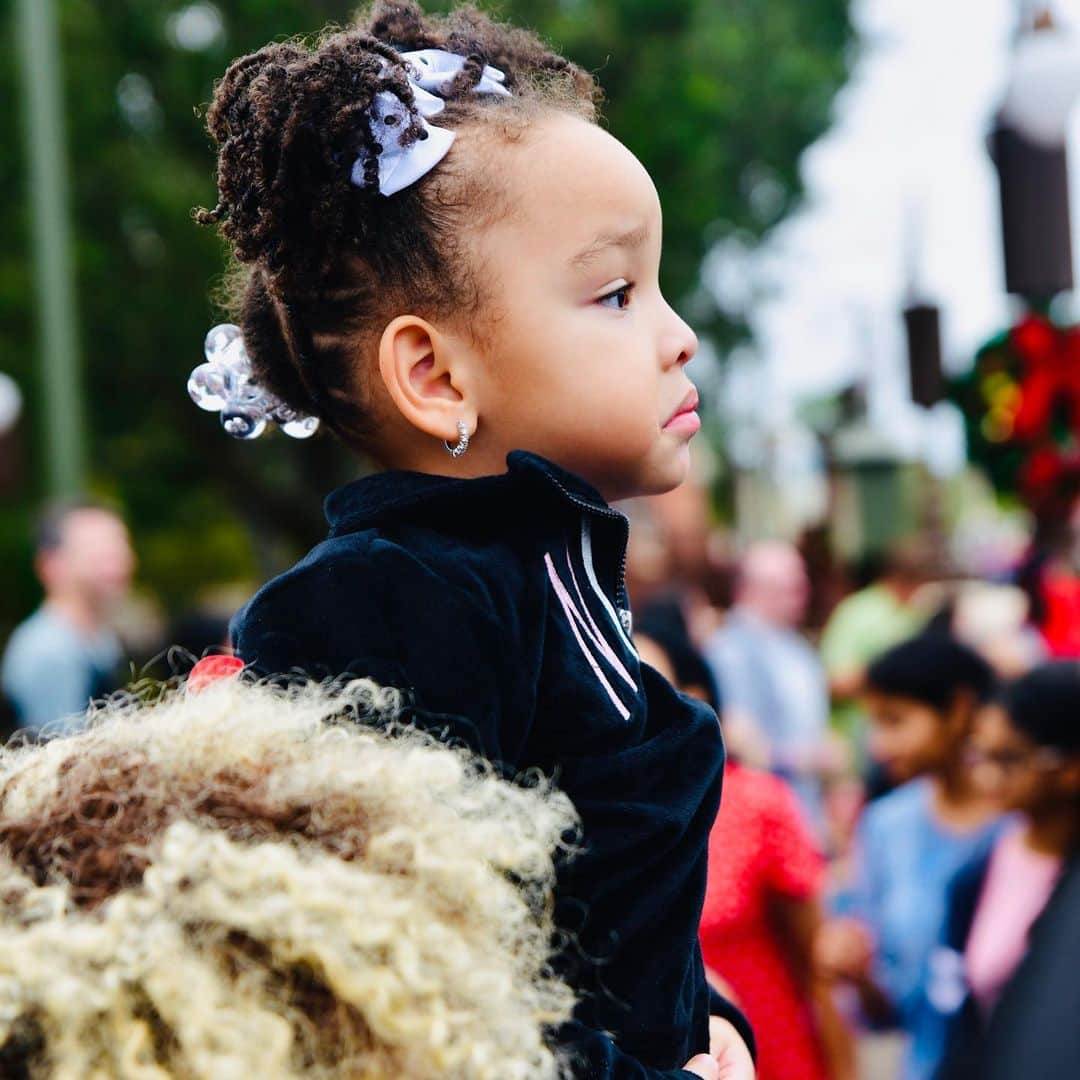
427	374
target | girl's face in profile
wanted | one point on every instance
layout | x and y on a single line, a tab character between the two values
583	358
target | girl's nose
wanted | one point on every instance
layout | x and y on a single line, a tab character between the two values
682	343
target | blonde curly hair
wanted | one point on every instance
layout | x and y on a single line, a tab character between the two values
248	882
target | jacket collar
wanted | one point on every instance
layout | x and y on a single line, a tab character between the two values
386	495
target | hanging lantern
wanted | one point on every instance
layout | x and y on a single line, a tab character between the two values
923	324
1028	150
1035	221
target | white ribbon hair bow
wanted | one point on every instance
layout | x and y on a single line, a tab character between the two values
430	71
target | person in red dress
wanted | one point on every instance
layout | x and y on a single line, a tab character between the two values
761	914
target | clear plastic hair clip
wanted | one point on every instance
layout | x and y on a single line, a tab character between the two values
224	385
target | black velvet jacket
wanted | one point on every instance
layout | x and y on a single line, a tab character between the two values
499	604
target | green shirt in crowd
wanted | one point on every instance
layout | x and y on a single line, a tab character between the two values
859	630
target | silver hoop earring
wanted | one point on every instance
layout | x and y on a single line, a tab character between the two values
462	443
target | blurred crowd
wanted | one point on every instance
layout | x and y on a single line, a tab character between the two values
894	883
895	891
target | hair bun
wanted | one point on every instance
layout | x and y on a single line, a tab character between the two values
264	118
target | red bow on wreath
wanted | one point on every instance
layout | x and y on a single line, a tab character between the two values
1051	375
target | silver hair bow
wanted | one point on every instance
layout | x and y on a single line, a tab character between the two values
224	385
431	71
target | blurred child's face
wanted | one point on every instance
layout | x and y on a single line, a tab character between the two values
656	656
583	357
909	737
1014	771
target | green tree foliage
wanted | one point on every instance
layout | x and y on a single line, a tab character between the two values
718	98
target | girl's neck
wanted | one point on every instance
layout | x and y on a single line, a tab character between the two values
1053	831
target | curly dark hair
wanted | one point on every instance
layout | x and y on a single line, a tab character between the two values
323	264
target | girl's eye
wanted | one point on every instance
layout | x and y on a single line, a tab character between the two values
617	299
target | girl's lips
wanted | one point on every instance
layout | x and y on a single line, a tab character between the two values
685	419
684	423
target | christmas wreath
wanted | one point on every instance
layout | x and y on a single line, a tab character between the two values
1021	406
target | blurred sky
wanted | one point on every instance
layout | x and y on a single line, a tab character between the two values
901	186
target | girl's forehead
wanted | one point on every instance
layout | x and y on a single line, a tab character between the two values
578	186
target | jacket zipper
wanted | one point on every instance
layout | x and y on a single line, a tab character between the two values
622	601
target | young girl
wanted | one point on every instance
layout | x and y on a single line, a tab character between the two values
1014	908
922	698
455	268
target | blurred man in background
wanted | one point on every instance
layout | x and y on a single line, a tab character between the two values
65	654
774	689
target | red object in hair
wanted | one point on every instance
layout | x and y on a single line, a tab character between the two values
212	668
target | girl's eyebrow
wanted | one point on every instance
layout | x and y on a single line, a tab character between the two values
629	239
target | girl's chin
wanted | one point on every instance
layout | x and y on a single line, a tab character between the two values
666	468
681	464
671	477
